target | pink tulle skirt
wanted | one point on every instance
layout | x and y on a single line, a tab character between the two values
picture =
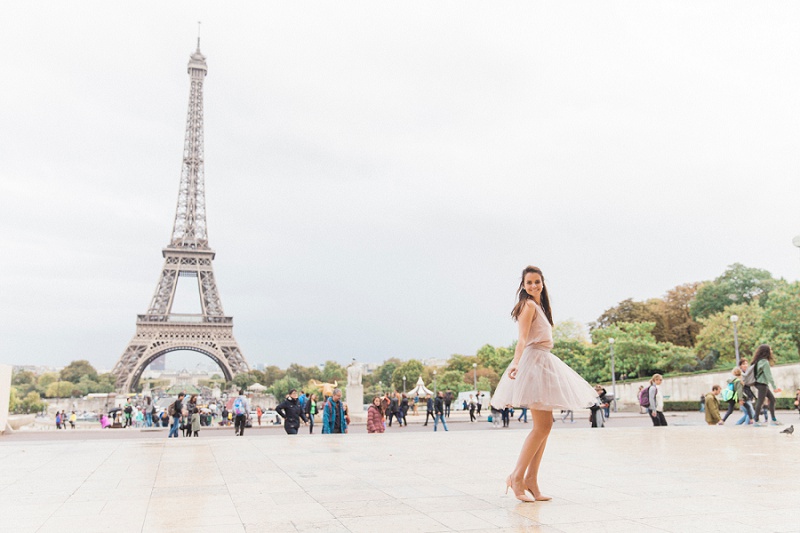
544	382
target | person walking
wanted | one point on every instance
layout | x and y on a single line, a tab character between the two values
438	409
375	416
537	379
72	419
194	423
404	409
524	415
731	393
429	409
762	360
746	397
333	417
448	399
656	408
291	411
472	404
712	407
259	412
506	415
175	410
311	411
478	403
241	410
394	408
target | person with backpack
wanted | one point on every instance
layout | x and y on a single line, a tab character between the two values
762	376
241	410
732	392
175	410
655	401
333	415
394	409
746	397
712	407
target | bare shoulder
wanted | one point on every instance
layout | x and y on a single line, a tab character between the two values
529	310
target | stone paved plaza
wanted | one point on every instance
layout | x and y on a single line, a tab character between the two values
691	478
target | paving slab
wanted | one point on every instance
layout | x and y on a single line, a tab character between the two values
636	479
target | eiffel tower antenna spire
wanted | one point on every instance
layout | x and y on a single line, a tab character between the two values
198	35
187	255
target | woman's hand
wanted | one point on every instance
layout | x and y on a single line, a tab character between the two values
778	390
512	370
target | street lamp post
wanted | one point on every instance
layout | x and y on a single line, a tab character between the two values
613	376
734	320
434	382
475	377
404	384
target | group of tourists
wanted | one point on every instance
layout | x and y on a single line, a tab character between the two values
739	392
62	418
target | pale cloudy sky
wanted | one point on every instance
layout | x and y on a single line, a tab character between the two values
378	173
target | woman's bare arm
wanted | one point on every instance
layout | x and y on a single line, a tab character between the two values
524	320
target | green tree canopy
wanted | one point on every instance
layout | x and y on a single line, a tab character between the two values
737	285
411	369
782	311
452	380
333	371
59	389
281	387
303	374
636	351
272	374
717	332
496	359
74	371
461	363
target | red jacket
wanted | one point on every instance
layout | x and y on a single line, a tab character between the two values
374	420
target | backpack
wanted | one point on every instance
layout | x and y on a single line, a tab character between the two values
750	376
172	411
644	397
238	406
730	392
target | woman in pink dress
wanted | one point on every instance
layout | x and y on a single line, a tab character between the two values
537	379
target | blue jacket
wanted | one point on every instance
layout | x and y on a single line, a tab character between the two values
327	416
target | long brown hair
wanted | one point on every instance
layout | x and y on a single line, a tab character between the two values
523	297
763	352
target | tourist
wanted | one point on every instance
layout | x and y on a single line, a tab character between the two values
472	404
63	419
478	403
524	415
448	399
506	413
496	414
538	379
375	416
438	409
747	398
568	413
128	410
241	409
138	417
302	399
712	407
291	411
175	410
762	360
642	409
394	408
58	419
259	412
224	421
195	423
311	411
602	394
333	418
429	409
404	409
164	417
797	400
732	392
656	408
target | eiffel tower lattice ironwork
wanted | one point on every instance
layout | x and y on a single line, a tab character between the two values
188	254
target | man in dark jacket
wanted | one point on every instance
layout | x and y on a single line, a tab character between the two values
448	399
176	409
438	407
292	411
430	410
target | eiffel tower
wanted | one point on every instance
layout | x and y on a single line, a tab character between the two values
188	255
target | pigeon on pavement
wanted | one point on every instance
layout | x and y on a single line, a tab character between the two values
788	430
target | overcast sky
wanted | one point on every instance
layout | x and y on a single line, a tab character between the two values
378	174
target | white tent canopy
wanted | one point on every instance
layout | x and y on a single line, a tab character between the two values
258	387
420	389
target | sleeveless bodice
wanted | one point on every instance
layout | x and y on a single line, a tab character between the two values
541	333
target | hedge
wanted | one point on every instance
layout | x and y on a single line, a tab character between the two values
780	403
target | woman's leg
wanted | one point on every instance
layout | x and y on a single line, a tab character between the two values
771	402
532	451
731	407
762	393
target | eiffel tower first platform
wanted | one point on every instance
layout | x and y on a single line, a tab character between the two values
160	330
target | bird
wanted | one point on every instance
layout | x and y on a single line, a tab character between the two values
788	430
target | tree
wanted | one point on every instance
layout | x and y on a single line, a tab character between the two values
45	380
636	350
13	400
681	328
717	332
272	374
495	358
575	353
32	403
570	330
59	389
74	371
738	284
411	369
452	380
782	311
281	388
488	375
244	380
386	370
333	371
461	363
674	358
303	373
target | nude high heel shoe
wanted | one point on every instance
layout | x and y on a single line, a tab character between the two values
521	496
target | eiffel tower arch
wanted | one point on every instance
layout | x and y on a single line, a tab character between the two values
188	254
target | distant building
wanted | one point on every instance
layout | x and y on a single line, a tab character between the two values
159	363
435	362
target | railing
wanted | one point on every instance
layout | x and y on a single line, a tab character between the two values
184	319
